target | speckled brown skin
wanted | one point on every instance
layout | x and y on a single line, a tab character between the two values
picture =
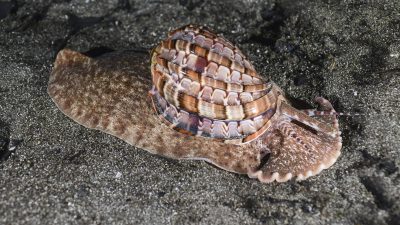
110	93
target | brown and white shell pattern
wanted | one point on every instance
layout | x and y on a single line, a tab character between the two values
210	104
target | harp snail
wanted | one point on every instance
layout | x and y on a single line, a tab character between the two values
221	110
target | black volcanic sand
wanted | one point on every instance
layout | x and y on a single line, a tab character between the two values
54	171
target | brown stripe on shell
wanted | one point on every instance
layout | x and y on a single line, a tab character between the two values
260	131
210	55
189	33
207	93
217	129
175	96
198	68
210	81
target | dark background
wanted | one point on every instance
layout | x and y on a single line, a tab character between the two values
60	172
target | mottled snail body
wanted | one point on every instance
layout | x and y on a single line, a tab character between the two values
206	89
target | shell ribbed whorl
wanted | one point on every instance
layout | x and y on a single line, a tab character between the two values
205	86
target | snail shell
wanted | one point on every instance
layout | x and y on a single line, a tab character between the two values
204	87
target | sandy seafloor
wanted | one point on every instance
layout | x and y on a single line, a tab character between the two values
62	173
